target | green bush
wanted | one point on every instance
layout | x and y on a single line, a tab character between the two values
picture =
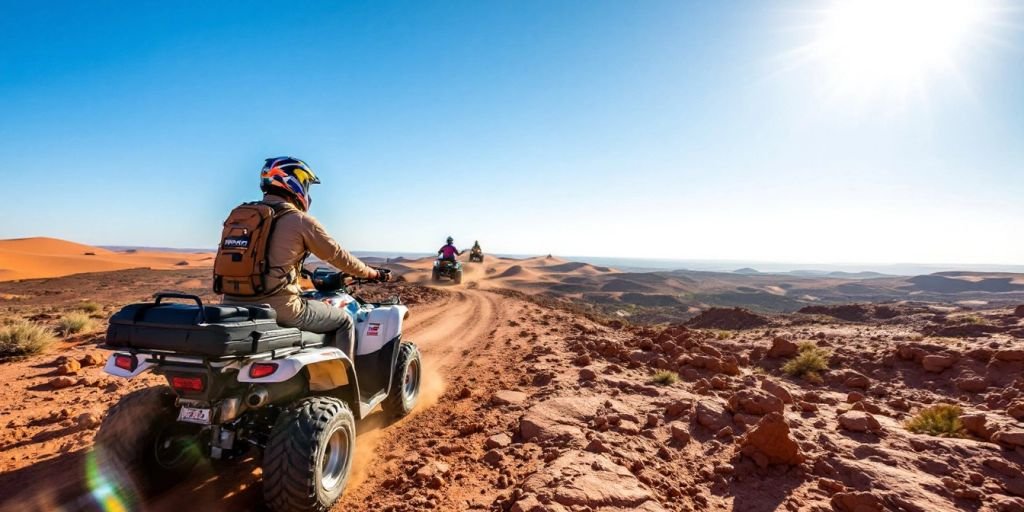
89	306
74	323
22	338
808	362
665	378
941	420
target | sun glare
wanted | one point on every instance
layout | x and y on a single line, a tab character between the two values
871	48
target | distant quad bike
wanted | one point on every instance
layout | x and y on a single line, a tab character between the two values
476	255
237	381
447	269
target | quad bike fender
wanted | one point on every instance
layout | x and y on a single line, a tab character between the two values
142	365
378	327
328	368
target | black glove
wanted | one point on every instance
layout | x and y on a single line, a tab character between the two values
383	275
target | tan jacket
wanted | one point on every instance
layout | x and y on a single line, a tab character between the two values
295	234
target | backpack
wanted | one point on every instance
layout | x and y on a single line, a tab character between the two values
242	266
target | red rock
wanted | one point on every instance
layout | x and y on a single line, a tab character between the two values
493	457
976	424
680	432
587	374
678	408
778	390
578	480
770	437
711	415
781	347
62	382
857	502
498	441
1019	311
1016	410
597	446
859	421
70	367
755	401
1009	437
582	360
856	380
507	397
972	384
936	363
91	360
432	469
1010	355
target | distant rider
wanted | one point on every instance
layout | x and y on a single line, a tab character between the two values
476	247
285	182
448	252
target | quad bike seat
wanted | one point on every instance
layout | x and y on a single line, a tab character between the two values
197	329
310	339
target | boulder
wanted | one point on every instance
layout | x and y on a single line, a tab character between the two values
857	502
1019	311
768	442
781	347
712	415
498	441
976	424
755	401
1009	355
936	363
778	390
62	382
859	421
69	367
1016	410
1009	437
580	480
972	383
564	416
507	397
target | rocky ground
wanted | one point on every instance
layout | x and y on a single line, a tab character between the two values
535	407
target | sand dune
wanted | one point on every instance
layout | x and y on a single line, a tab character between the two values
29	258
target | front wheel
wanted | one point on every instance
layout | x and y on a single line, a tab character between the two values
405	382
458	277
141	439
309	455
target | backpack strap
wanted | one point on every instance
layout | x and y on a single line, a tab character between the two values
280	210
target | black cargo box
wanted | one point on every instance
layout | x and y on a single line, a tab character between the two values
195	329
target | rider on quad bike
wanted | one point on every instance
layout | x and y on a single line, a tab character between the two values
476	253
448	251
285	182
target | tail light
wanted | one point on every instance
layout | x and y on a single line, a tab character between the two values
124	362
260	370
194	384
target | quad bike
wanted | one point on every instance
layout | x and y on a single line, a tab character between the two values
238	381
447	269
476	254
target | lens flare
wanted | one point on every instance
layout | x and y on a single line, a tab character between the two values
108	495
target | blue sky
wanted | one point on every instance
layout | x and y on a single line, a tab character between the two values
691	130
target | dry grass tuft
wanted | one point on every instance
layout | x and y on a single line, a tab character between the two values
808	362
941	420
23	338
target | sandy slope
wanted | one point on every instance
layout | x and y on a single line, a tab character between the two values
28	258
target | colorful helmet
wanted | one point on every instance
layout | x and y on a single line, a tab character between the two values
450	239
289	175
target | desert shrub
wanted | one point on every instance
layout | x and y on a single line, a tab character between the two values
89	306
74	323
938	420
807	362
665	378
22	338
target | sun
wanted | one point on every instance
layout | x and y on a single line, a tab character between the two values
872	48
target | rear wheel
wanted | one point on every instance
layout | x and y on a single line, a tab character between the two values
435	275
405	383
309	456
141	439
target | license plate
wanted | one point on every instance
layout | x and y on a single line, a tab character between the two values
194	415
